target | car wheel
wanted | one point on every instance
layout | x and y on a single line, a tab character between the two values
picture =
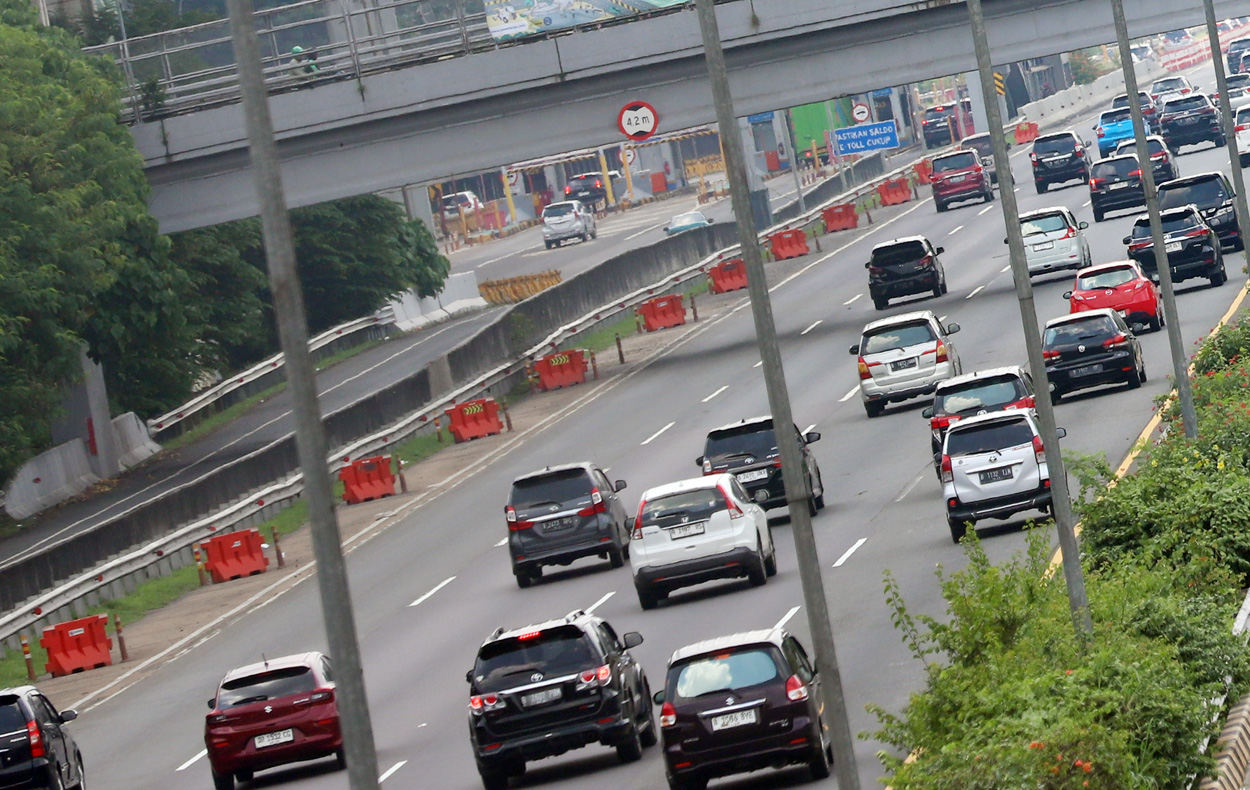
989	195
594	232
1154	323
630	750
958	529
82	773
616	556
874	408
493	779
820	500
549	245
1143	370
1135	378
1042	186
937	286
770	562
940	206
757	574
1098	214
340	759
223	781
1245	160
1220	277
650	734
585	237
880	302
646	598
822	757
1221	141
527	576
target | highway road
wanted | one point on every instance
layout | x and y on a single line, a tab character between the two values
885	512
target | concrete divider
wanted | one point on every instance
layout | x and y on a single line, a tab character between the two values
1079	99
51	477
459	295
133	443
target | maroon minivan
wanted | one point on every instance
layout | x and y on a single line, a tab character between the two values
960	176
741	703
279	711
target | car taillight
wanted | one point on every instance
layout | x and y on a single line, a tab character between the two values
941	352
668	715
515	524
1101	133
594	677
707	467
795	690
325	695
638	521
1241	127
1136	172
1162	156
485	702
877	269
597	505
938	423
730	504
598	184
1114	342
1032	157
1094	182
1049	354
1078	150
1039	450
36	739
864	368
568	190
948	472
1071	234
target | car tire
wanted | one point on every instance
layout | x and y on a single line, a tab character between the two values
223	781
493	780
549	244
1244	159
770	562
1134	379
647	599
820	499
757	574
874	409
630	750
1221	275
594	232
340	759
1099	215
958	529
585	237
941	207
525	577
1143	370
82	773
1154	322
989	195
650	735
880	303
616	556
1042	186
822	757
937	287
1221	141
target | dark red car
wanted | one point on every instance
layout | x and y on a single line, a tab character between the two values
960	176
741	703
1120	286
279	711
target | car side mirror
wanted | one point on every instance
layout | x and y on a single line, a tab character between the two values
631	639
619	485
1067	294
868	265
711	220
698	461
952	328
1087	145
658	697
1126	240
212	703
468	676
68	715
1082	225
1061	432
811	437
940	250
854	350
927	413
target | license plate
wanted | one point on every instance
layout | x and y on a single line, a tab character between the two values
544	697
685	530
1085	371
558	524
274	738
1046	245
1188	120
747	477
957	179
995	475
1118	185
738	718
903	364
1173	246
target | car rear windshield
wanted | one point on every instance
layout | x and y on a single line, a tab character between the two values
1200	193
944	164
551	488
988	437
1044	223
1243	116
939	113
1130	147
1122	100
1185	104
275	684
558	210
903	252
1165	85
1171	224
12	720
510	662
1107	278
756	440
887	338
682	508
1071	333
730	671
1238	80
982	393
588	179
1116	116
981	145
1062	144
1115	168
1239	44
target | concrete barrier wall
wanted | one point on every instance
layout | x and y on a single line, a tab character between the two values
49	478
133	444
459	295
1070	102
866	169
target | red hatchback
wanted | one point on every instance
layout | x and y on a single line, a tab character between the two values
276	712
1119	286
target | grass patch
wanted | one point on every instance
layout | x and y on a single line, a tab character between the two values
420	447
219	419
605	336
347	353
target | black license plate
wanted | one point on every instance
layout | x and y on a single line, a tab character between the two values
1085	371
903	364
996	475
559	524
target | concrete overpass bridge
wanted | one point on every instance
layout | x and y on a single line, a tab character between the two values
383	112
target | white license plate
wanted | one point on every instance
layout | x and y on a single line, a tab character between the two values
957	179
1118	185
685	530
738	718
747	477
995	475
543	697
1085	371
1046	245
1173	246
1189	120
274	738
903	364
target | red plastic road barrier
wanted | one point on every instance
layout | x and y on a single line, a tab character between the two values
366	479
659	183
234	555
1026	132
77	646
772	161
788	244
842	217
728	276
474	419
924	171
662	312
562	369
894	192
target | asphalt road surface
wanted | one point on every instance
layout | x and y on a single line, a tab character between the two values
884	512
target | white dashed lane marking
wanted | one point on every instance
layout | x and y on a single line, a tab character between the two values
852	299
956	230
982	211
656	435
849	552
714	394
193	760
430	594
600	602
813	326
849	395
975	291
387	774
786	619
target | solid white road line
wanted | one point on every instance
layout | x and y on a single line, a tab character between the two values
852	299
192	761
387	774
492	260
656	435
909	487
437	587
502	542
849	552
786	619
975	291
591	609
1005	269
757	364
810	428
1086	203
813	326
956	230
849	395
987	208
644	230
714	394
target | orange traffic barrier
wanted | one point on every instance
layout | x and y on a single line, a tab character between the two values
728	276
789	244
235	555
841	217
366	479
562	369
77	645
924	171
662	312
1026	132
894	192
474	419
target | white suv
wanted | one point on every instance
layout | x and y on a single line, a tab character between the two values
993	466
697	530
1054	240
902	357
1242	132
568	219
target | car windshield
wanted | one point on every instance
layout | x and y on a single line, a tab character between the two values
512	662
1238	80
981	145
755	440
12	720
888	338
959	161
725	672
1072	333
1169	84
558	210
1044	223
903	252
1063	144
971	396
1201	193
552	488
1107	278
682	508
1130	147
1120	167
988	437
692	218
1115	116
939	113
1185	104
262	686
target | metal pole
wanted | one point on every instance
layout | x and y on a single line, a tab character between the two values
310	439
794	161
831	143
779	402
1061	502
1180	365
1230	137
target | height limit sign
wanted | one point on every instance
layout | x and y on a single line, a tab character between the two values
638	120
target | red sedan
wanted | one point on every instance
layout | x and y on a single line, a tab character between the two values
1119	286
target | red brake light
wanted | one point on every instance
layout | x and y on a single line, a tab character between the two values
568	190
1033	157
941	352
1039	450
36	739
1101	133
1049	354
864	372
325	695
485	702
604	674
1112	342
595	677
795	689
597	505
598	183
1136	172
734	510
514	524
668	715
948	472
529	635
638	521
1094	182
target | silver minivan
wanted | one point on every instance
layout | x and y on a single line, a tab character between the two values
1054	240
903	357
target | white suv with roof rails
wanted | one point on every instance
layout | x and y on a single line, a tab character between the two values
902	357
1054	240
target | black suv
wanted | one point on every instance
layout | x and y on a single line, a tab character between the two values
937	123
1161	157
741	703
1150	113
1057	158
544	689
589	188
1116	183
747	449
563	513
1193	248
1091	348
1236	49
1213	195
1191	119
902	267
36	750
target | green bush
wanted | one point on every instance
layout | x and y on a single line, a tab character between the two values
1229	344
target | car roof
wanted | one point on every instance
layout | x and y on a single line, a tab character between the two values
560	203
742	422
964	378
1116	158
574	618
899	240
901	318
951	154
19	691
1056	135
1074	318
993	416
1169	213
1041	212
689	484
1196	178
976	136
743	639
1150	138
268	665
1099	267
585	466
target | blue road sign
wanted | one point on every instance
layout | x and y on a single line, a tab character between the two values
763	117
867	137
